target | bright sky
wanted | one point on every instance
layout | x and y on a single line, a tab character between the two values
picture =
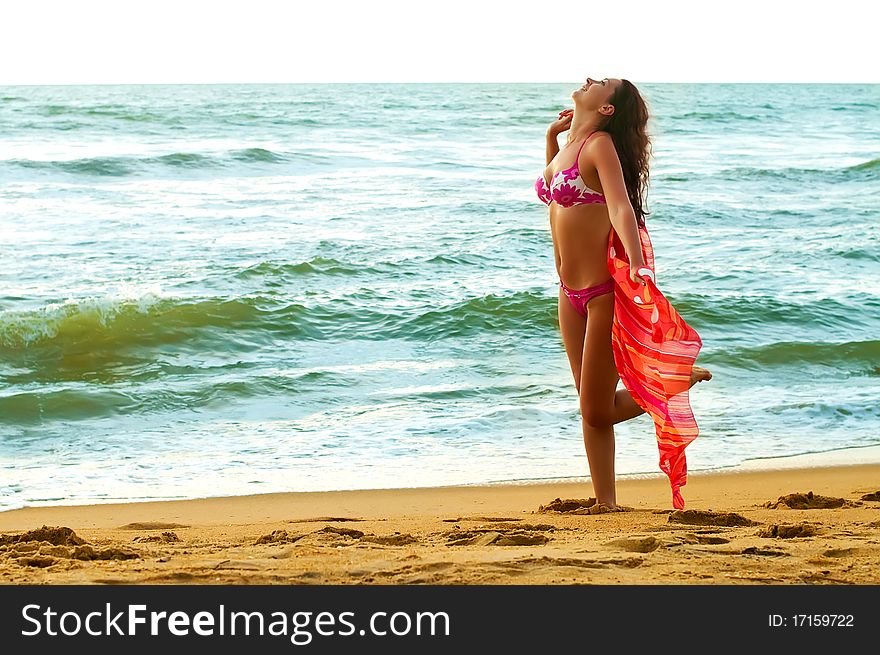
200	41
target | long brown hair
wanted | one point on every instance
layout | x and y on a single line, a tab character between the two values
628	129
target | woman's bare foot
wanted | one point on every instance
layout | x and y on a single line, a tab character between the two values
602	508
698	374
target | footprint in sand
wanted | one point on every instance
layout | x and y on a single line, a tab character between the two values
841	552
808	500
278	537
345	532
164	538
151	525
495	538
692	538
580	506
764	552
331	535
635	544
789	531
488	519
36	561
534	527
521	538
709	540
700	517
396	539
335	519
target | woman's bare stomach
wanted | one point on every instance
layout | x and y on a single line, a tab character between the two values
581	240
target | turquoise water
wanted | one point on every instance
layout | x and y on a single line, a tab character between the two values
228	289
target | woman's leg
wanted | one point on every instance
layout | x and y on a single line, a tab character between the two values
572	327
625	407
598	400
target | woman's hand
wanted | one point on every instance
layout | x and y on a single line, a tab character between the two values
561	124
634	275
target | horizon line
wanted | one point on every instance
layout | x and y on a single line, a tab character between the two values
3	84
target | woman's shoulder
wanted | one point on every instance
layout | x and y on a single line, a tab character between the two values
599	136
598	141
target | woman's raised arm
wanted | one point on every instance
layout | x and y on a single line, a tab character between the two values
556	128
552	147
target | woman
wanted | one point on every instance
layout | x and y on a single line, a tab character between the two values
614	321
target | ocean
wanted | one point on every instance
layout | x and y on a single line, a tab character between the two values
215	290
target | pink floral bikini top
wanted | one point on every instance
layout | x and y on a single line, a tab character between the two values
571	190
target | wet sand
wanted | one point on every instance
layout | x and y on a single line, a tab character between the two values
794	526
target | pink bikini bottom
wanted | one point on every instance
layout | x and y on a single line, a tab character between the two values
580	297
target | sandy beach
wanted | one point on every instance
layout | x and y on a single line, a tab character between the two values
790	526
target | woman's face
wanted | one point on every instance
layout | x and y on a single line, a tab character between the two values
595	93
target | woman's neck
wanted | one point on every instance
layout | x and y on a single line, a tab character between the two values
582	126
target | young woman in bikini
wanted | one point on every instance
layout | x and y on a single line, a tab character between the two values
596	183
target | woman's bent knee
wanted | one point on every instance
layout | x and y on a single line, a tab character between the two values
596	417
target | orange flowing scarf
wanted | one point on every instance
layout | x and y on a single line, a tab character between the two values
654	351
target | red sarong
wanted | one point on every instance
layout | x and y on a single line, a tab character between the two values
654	351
